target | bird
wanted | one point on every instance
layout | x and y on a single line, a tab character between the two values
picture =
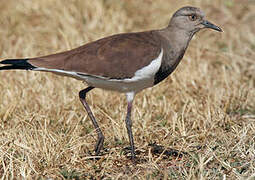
127	62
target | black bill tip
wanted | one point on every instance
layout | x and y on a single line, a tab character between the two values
210	25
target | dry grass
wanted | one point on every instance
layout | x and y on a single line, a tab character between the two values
206	108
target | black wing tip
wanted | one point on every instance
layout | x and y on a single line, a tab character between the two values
16	64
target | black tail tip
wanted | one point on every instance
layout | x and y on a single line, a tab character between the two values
16	64
14	61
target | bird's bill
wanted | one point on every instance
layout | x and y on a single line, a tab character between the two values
207	24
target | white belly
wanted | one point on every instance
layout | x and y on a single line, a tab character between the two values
119	85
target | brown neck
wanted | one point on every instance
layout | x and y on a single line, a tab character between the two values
177	38
174	44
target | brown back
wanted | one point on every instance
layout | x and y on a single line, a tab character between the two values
118	56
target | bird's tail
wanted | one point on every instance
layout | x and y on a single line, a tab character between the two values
16	64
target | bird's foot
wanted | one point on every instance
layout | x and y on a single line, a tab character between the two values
99	145
127	151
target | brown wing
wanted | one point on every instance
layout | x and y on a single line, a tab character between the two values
118	56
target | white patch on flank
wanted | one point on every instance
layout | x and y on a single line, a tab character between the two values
142	79
148	71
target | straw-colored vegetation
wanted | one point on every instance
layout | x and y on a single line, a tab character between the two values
205	109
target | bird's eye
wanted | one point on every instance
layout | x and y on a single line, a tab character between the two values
193	17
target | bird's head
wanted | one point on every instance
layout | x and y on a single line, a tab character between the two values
191	20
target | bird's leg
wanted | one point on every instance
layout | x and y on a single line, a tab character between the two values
100	136
130	97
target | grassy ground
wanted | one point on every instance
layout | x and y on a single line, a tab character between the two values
205	109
